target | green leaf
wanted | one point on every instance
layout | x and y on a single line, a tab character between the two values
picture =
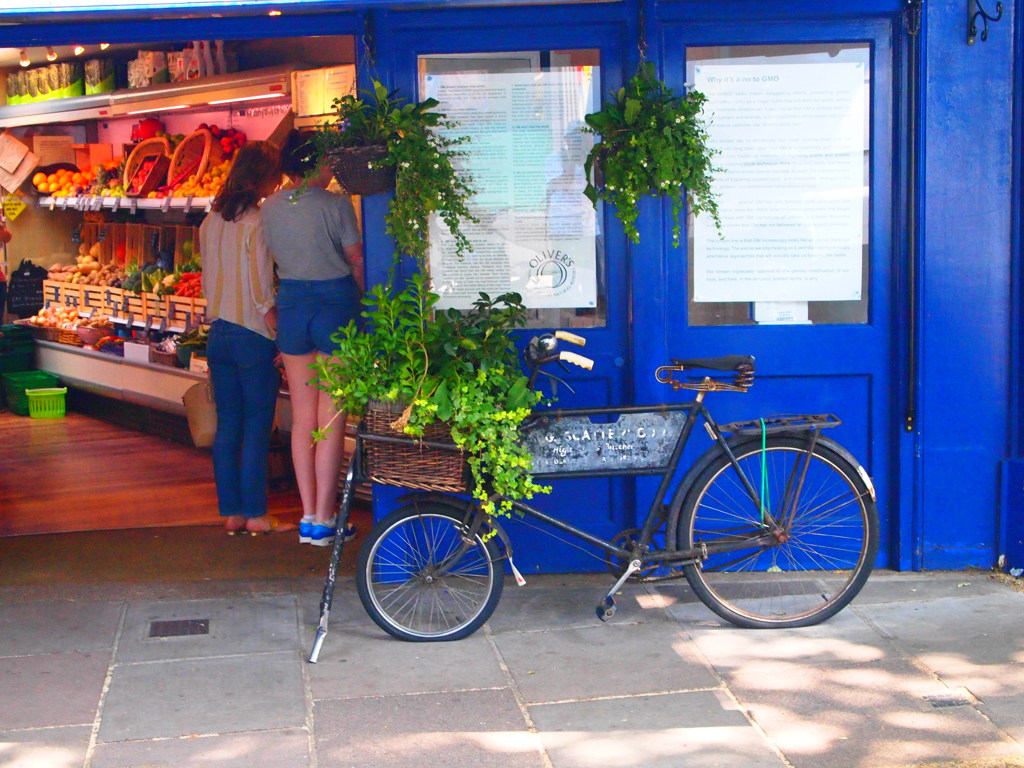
633	107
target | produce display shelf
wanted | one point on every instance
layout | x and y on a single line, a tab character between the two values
88	203
147	384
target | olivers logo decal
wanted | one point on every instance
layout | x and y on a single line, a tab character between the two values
552	273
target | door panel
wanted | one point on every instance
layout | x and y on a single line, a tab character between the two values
840	361
535	39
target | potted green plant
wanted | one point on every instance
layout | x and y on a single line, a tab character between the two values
652	142
422	368
380	139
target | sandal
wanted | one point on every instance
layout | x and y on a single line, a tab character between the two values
234	525
273	525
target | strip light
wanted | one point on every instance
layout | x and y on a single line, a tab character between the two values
158	109
247	98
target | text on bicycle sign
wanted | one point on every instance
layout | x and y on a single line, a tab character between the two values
577	444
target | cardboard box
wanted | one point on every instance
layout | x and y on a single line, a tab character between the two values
89	156
53	149
198	364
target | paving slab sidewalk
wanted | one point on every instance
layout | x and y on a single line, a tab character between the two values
922	670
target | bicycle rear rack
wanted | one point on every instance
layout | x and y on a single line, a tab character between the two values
797	422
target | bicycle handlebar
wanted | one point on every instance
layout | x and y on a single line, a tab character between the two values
580	360
572	338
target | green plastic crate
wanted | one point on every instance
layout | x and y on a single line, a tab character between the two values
11	362
46	403
16	383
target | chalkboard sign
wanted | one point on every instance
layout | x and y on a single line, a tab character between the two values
25	290
577	444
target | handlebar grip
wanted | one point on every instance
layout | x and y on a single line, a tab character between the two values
580	360
572	338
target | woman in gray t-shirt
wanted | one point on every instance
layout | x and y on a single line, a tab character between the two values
314	239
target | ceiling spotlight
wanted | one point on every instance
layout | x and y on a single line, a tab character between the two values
24	58
51	55
273	13
79	50
104	46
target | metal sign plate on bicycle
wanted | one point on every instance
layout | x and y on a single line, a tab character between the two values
568	443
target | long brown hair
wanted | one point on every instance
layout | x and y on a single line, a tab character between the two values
256	165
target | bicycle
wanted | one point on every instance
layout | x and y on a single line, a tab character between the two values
774	525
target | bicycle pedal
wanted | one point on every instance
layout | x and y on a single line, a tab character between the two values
606	608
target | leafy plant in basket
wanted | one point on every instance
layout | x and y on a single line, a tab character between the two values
460	368
402	140
652	142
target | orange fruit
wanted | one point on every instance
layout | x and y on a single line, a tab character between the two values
51	179
77	178
38	179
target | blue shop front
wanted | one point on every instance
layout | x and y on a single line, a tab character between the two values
869	158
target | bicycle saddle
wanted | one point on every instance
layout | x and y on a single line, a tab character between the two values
726	363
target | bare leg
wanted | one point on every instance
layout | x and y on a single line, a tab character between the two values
330	454
305	402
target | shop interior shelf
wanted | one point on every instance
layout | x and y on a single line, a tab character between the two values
126	203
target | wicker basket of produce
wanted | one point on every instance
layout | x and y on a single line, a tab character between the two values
41	332
69	336
157	355
409	463
145	170
193	156
352	168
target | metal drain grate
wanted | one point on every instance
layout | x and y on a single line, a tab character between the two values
179	628
951	699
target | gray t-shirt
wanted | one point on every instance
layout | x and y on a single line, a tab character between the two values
307	237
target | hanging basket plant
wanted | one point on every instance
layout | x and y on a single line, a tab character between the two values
652	142
378	142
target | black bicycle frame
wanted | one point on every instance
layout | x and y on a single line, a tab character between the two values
669	556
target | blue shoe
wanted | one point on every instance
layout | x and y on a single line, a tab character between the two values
306	531
322	534
350	532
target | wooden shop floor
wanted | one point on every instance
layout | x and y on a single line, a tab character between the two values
109	504
81	473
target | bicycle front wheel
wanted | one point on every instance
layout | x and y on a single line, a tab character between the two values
800	559
421	577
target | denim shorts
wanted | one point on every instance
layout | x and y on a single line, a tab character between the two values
309	312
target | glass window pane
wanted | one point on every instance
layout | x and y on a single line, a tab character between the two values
791	124
537	234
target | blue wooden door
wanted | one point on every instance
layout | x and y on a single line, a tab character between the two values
827	346
494	41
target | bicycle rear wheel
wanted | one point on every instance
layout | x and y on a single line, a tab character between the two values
418	582
818	558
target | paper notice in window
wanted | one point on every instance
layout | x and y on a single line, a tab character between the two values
792	190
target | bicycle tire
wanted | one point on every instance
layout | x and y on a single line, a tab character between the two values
815	568
403	597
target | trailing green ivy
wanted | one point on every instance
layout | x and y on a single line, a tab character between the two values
652	142
457	367
426	181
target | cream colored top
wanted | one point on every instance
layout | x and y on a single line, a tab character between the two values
238	273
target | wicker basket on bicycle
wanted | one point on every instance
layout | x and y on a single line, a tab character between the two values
409	462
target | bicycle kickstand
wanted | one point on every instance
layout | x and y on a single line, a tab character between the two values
332	570
606	608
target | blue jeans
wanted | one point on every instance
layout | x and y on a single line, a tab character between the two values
245	386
